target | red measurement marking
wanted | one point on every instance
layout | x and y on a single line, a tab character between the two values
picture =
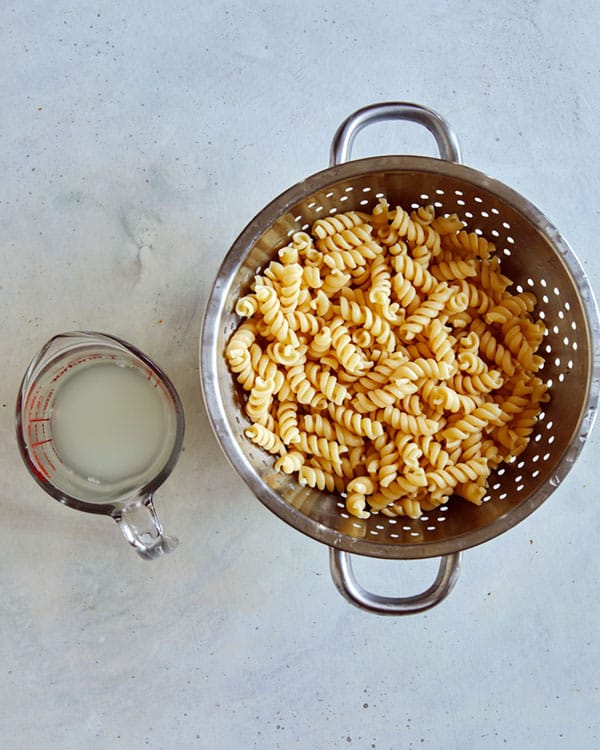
41	442
41	419
40	471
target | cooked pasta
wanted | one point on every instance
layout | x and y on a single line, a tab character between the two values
384	358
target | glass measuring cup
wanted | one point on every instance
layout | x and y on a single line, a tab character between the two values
100	428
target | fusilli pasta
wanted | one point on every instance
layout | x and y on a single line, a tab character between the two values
383	358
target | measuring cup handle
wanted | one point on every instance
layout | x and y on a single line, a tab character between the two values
142	528
343	577
445	137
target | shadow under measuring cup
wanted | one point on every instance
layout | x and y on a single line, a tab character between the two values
100	428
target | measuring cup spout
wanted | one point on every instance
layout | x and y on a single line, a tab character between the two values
142	528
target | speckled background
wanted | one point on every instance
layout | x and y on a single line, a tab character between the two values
136	141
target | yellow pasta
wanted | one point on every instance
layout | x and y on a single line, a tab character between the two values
416	232
326	383
270	307
259	400
287	418
333	224
320	446
430	309
320	344
360	314
290	463
384	358
300	385
335	281
291	280
352	420
405	266
264	437
321	425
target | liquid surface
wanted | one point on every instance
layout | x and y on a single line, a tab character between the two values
109	422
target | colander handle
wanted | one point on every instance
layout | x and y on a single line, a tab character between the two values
343	576
445	137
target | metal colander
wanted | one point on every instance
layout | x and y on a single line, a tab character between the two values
533	254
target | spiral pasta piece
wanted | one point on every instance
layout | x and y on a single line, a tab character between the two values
404	484
492	281
414	231
241	340
468	359
424	215
289	254
487	381
314	476
389	464
305	392
349	249
342	260
407	506
520	348
291	281
407	268
357	236
382	372
381	283
263	436
350	357
333	224
480	419
378	398
492	350
319	446
301	242
357	423
290	463
303	322
433	450
408	423
364	316
263	366
451	270
441	343
511	307
287	418
412	404
324	427
286	354
311	277
472	244
334	281
320	343
478	300
327	383
441	396
259	399
447	225
356	503
422	367
243	367
457	473
405	292
246	306
273	316
431	308
471	491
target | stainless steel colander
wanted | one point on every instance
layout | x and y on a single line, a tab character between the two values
533	254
